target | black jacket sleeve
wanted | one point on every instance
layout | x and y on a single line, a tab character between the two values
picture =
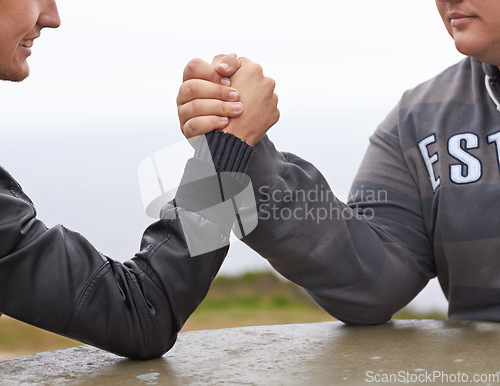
56	280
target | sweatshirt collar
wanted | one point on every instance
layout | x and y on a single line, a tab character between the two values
492	83
490	70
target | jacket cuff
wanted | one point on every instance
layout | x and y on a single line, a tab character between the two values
228	152
214	177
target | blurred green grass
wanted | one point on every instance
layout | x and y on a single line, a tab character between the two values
249	300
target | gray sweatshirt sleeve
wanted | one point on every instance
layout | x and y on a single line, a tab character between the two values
361	262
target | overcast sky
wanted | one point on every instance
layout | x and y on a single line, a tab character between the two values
101	96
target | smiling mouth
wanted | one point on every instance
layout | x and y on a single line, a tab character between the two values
26	43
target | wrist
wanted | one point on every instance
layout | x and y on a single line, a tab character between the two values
228	152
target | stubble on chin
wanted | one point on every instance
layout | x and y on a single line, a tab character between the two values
14	76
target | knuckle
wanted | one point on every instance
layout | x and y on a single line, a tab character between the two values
274	99
232	60
186	130
182	112
270	83
193	65
255	68
194	107
225	109
221	91
191	87
218	57
277	115
181	95
190	128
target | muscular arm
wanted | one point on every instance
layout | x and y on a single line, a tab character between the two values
361	262
56	280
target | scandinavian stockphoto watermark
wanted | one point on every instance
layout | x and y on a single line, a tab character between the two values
222	202
216	202
317	204
421	376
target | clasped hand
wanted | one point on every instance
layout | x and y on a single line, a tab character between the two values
231	94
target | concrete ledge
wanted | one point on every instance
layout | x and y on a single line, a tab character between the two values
316	354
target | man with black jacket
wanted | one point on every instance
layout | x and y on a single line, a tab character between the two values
56	280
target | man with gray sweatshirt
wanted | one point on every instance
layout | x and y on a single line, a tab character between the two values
425	202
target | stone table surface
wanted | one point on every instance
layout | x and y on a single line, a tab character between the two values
411	351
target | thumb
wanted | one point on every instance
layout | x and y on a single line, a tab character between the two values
226	65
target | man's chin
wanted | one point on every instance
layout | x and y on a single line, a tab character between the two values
14	76
14	80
